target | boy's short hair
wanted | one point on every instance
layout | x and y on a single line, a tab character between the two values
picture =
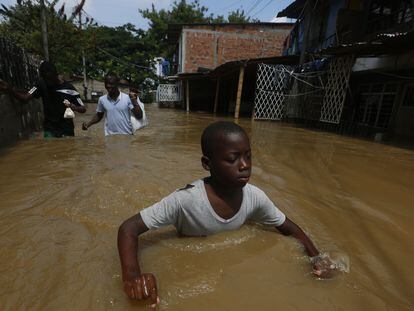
211	132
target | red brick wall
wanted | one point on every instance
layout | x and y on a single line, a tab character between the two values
211	46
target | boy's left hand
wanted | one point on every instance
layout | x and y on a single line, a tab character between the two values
322	266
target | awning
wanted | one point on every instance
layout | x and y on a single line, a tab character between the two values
233	66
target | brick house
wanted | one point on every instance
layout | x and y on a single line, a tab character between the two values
201	49
211	45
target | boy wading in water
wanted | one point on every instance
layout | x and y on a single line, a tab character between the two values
222	202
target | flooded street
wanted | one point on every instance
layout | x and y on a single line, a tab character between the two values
62	201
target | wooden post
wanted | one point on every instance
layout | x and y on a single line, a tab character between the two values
239	92
217	95
187	96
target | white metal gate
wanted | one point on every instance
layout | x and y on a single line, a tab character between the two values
169	92
335	89
271	83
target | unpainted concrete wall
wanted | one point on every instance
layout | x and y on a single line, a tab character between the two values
18	120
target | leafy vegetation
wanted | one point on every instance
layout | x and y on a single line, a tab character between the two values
125	50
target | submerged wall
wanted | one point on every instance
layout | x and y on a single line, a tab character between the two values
18	120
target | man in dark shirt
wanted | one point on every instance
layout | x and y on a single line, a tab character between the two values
57	95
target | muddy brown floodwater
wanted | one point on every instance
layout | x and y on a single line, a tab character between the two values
62	202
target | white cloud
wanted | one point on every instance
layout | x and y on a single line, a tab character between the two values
276	19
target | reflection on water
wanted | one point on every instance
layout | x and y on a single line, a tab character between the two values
63	200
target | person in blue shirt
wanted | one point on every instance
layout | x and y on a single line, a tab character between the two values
117	106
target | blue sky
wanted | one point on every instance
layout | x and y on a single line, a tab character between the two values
126	11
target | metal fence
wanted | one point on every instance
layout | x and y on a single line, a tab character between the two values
271	85
18	120
314	95
168	93
16	66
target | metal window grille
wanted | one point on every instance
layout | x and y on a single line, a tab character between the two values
335	90
271	83
169	92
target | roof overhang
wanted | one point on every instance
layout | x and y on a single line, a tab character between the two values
234	66
293	10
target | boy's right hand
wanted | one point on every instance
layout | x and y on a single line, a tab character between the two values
142	287
84	126
323	267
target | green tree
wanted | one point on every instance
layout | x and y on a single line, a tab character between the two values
239	16
180	12
124	50
22	26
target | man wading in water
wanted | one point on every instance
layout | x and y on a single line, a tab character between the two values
118	107
57	95
221	202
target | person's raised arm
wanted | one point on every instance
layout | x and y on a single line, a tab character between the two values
95	119
137	111
322	266
6	88
136	285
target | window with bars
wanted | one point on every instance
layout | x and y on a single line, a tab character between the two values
376	103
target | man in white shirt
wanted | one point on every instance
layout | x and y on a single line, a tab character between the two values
117	106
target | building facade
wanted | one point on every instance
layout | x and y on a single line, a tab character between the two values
377	36
203	51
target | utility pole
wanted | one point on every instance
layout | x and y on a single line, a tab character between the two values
85	82
44	30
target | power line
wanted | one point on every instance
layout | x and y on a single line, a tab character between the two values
229	6
121	60
254	6
266	5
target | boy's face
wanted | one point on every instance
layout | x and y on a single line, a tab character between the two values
230	163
